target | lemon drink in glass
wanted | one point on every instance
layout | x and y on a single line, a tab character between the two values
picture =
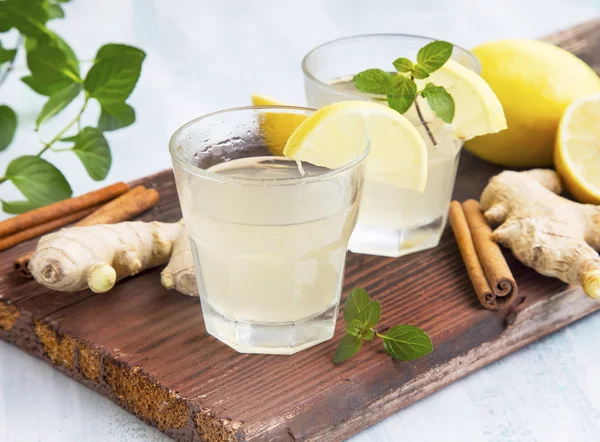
401	215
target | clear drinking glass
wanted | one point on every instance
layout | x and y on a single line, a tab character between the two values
269	239
392	221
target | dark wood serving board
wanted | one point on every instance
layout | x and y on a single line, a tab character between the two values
147	349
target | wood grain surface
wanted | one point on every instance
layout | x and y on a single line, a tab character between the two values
147	349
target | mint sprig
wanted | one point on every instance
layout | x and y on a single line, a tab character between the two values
401	342
401	89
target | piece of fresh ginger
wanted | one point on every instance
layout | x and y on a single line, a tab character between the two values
179	273
554	236
76	258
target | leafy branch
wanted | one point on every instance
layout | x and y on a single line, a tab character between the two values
401	89
55	72
404	342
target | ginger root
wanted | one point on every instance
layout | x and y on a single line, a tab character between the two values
179	273
76	258
554	236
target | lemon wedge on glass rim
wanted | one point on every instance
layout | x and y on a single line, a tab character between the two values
336	134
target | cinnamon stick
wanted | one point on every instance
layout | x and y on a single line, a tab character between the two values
490	275
60	209
24	235
127	206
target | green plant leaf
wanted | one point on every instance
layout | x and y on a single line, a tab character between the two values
115	73
57	102
357	300
54	11
432	56
38	180
116	116
70	139
369	316
374	81
419	72
440	101
28	16
92	149
368	334
348	347
355	328
6	55
403	64
18	207
43	88
72	60
49	64
406	342
64	1
8	126
5	23
402	94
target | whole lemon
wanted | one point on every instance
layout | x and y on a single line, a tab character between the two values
535	82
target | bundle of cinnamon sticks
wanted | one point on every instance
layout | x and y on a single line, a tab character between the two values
112	204
488	270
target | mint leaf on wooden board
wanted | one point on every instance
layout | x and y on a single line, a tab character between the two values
355	302
373	81
348	347
115	116
18	207
37	179
402	94
57	102
370	315
355	328
8	126
115	73
440	101
432	56
92	149
403	64
406	342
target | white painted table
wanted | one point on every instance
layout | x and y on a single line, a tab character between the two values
208	55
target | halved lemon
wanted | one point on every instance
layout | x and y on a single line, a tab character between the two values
478	110
276	127
577	150
335	135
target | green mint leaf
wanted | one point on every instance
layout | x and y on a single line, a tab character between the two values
373	81
115	73
402	94
368	334
92	149
403	64
8	126
18	207
348	347
54	11
57	102
357	300
49	63
116	116
29	17
38	180
406	342
419	72
440	101
355	328
370	315
432	56
71	139
43	88
6	55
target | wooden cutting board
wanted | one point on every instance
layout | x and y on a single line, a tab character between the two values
146	348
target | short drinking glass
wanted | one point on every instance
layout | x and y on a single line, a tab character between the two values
392	221
269	238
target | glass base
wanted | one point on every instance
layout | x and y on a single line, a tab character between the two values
398	242
280	338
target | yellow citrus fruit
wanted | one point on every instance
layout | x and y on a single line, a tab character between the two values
276	127
535	82
577	152
336	134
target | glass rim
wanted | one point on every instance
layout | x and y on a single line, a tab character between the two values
308	74
214	176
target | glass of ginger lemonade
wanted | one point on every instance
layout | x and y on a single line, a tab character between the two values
268	234
393	221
